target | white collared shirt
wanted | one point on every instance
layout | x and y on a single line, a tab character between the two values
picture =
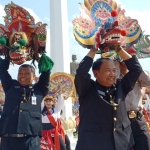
56	114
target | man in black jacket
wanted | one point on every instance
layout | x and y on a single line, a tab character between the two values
21	125
104	124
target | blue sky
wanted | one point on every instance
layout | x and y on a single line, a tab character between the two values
138	9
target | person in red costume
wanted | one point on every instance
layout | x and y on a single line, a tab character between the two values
53	132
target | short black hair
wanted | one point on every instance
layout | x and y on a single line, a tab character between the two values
28	66
97	64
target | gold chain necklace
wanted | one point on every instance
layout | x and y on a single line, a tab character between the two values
112	103
25	95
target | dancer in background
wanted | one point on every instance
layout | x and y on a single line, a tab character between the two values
67	140
53	133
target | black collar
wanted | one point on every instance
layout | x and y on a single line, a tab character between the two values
106	91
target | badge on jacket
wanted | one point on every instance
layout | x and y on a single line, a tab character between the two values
34	100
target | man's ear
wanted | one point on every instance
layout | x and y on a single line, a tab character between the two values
95	73
34	76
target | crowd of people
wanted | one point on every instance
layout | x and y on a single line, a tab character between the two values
110	113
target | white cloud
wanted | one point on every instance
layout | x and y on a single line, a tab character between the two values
47	19
70	28
37	19
75	15
2	14
48	42
117	1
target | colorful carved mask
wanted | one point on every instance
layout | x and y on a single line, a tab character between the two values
97	15
25	39
105	20
143	47
18	52
132	27
62	83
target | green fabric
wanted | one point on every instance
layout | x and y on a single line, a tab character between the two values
116	54
18	45
45	64
22	42
1	59
3	41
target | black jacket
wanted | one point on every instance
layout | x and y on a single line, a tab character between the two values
20	116
98	130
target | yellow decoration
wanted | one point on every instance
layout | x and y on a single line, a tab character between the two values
12	37
89	41
69	125
133	38
62	83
